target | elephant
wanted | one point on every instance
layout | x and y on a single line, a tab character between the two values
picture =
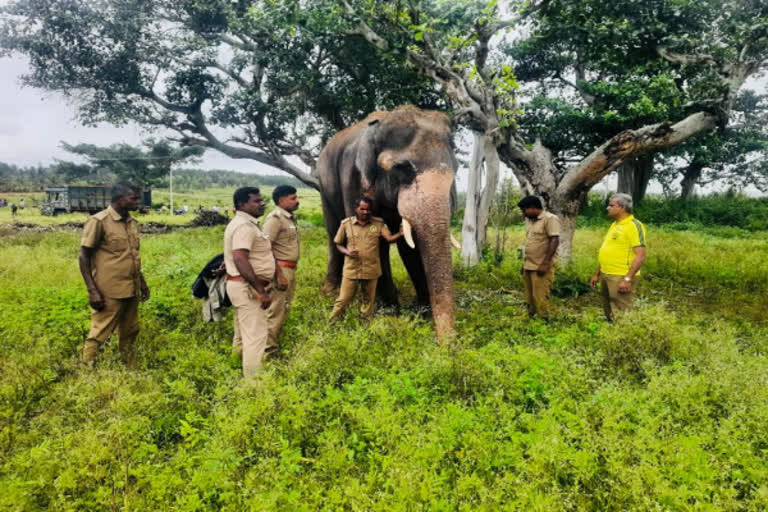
404	160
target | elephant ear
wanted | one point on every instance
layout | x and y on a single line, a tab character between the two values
365	159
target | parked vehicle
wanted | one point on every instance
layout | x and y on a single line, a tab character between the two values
84	198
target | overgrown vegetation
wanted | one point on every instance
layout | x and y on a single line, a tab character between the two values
665	410
725	210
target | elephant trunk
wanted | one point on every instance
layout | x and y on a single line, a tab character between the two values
425	204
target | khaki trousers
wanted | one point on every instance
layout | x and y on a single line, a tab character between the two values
613	300
537	291
278	311
347	293
122	314
250	325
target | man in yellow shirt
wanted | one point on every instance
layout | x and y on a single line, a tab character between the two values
620	258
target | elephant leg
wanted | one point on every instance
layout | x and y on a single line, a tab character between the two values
413	264
335	258
386	292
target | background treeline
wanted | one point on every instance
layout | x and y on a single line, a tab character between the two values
36	178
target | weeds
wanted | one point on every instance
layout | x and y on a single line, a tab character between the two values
665	409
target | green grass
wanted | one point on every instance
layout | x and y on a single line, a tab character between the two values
311	210
664	410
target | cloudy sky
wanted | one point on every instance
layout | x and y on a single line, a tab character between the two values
35	122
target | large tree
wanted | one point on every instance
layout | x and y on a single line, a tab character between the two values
145	167
706	49
264	80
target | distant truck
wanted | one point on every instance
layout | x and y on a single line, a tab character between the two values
84	198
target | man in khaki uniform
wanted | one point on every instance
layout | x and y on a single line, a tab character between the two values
542	236
111	268
621	255
250	270
362	266
283	232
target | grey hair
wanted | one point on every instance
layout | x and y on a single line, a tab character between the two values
624	200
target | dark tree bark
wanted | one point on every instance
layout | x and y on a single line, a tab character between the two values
690	178
634	176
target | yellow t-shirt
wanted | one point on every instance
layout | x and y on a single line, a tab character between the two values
617	252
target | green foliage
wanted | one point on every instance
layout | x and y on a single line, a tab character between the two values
664	409
123	162
728	214
29	179
279	77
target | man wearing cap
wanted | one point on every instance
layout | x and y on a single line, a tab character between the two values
283	232
250	270
621	256
111	268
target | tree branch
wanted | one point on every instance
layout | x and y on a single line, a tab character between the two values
151	95
686	60
273	159
240	44
364	30
628	144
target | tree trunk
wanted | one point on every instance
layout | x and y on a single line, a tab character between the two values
634	176
470	252
485	160
691	175
567	230
489	191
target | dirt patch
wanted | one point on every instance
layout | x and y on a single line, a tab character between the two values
206	218
147	228
209	218
21	227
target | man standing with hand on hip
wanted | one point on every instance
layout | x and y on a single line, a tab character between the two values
620	258
283	232
250	270
111	268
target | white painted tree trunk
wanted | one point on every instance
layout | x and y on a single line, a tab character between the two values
489	191
480	193
470	252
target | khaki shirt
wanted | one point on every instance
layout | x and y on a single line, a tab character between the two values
280	226
366	240
537	233
243	233
115	262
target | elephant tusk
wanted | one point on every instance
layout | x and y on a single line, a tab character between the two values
408	234
455	243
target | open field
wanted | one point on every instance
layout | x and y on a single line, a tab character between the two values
665	410
208	198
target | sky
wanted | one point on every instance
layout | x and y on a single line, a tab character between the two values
35	122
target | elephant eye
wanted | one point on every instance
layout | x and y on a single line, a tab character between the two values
405	170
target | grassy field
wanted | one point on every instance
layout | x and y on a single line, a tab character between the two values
664	410
221	197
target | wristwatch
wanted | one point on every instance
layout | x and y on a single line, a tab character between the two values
628	279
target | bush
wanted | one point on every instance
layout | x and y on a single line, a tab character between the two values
730	210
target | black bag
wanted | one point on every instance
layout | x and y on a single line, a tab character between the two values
199	288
